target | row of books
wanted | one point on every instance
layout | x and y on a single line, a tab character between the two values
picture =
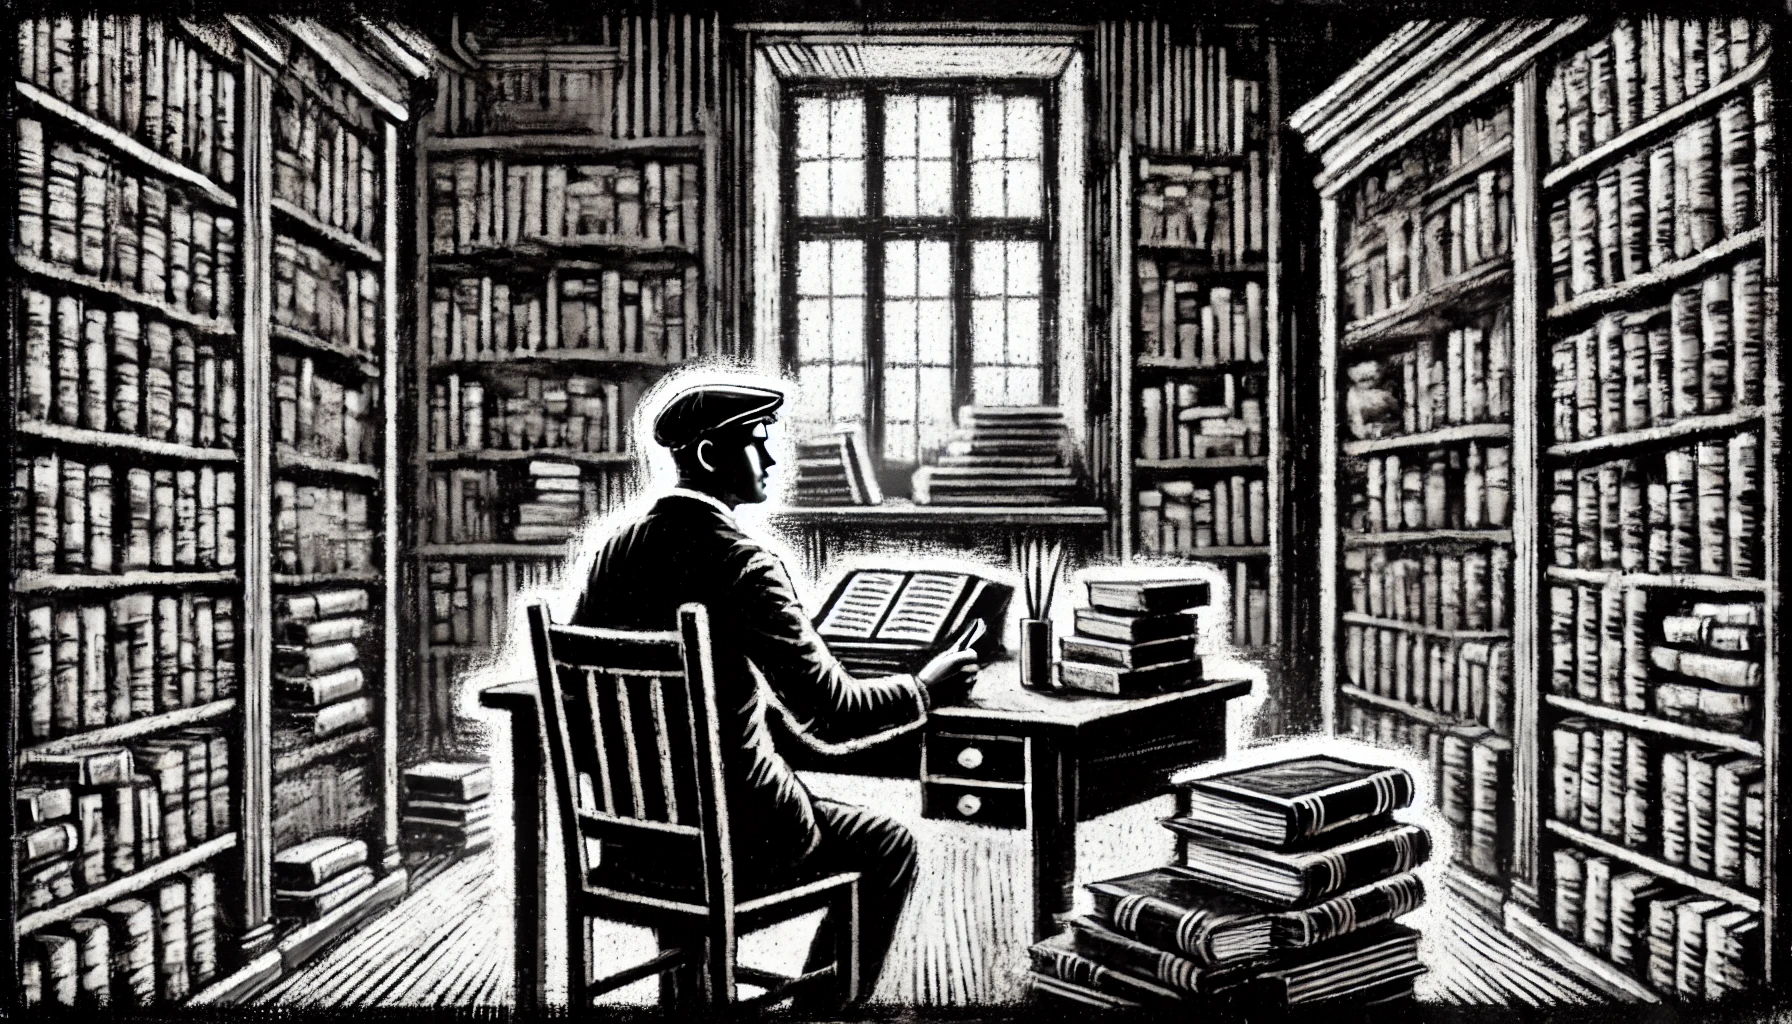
1181	517
1680	942
88	664
322	296
1640	68
142	77
318	876
580	414
1443	590
470	602
88	365
1198	419
326	167
156	947
1216	214
1192	324
1710	182
1702	353
82	209
321	529
536	99
1474	773
1703	810
1222	110
317	416
1134	638
647	315
1465	679
480	204
1275	905
1410	172
1403	253
328	797
78	517
316	76
1694	509
447	806
542	502
1608	650
1455	488
1462	375
105	813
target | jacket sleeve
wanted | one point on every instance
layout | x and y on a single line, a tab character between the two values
828	708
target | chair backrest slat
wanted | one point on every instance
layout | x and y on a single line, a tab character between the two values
591	733
662	746
628	720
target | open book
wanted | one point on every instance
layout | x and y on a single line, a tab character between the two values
896	620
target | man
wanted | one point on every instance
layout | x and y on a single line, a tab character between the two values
688	548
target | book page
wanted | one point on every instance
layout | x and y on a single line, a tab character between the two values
920	614
861	605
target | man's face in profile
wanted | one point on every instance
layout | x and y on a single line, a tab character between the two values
740	464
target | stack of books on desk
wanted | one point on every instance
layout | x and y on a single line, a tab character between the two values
1135	637
319	686
447	806
318	876
1002	455
1294	877
835	469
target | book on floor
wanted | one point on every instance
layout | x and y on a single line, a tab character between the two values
316	861
1291	801
311	904
445	780
1305	873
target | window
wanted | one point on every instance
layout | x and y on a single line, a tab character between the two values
917	229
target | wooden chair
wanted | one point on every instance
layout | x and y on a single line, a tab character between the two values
630	721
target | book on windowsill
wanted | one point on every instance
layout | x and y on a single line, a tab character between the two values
1292	801
984	451
835	469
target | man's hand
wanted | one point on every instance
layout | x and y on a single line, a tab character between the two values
948	678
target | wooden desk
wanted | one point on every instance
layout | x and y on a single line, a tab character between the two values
1010	758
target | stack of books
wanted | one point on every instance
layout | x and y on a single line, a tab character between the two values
448	806
1002	455
1294	877
318	876
319	685
835	469
1135	637
551	512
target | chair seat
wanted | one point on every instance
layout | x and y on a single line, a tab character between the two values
613	888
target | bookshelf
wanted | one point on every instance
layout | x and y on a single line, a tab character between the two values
144	565
566	234
1642	737
1200	370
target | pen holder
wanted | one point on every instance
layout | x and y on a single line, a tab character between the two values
1036	654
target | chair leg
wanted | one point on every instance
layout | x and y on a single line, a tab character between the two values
578	960
845	914
718	959
681	986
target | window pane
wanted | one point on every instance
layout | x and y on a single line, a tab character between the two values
934	275
989	386
1023	332
934	126
849	330
1025	134
811	128
848	188
987	199
848	262
899	333
899	268
848	128
986	128
934	188
989	334
899	126
899	188
1025	194
812	330
812	268
812	189
848	405
989	266
933	328
1023	268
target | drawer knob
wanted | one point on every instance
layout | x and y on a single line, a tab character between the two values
969	805
970	757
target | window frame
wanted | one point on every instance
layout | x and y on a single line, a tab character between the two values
959	230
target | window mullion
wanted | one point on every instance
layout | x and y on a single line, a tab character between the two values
874	273
961	249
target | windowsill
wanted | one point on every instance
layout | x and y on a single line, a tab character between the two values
897	510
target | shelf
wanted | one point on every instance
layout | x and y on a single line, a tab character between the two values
1389	538
108	441
585	147
288	761
1188	253
1431	438
1661	581
1622	445
1661	869
316	230
1215	551
1659	726
1662	123
1213	462
1661	277
155	307
114	734
1433	309
1167	363
900	512
1443	188
287	460
491	549
363	363
346	577
118	889
135	579
588	356
1360	619
122	144
529	455
575	252
1434	719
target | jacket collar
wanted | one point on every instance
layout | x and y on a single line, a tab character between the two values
686	492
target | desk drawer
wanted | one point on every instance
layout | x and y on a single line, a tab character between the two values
978	758
997	806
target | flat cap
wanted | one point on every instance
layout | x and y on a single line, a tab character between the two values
707	408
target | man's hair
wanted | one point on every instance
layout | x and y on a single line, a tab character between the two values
685	458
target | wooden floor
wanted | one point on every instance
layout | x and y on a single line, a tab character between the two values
962	940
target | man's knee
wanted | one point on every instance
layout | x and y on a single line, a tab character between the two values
897	845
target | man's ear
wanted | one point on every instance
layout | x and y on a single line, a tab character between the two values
701	461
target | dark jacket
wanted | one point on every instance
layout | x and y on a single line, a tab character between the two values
684	550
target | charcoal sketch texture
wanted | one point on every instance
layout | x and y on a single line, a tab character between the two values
857	508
